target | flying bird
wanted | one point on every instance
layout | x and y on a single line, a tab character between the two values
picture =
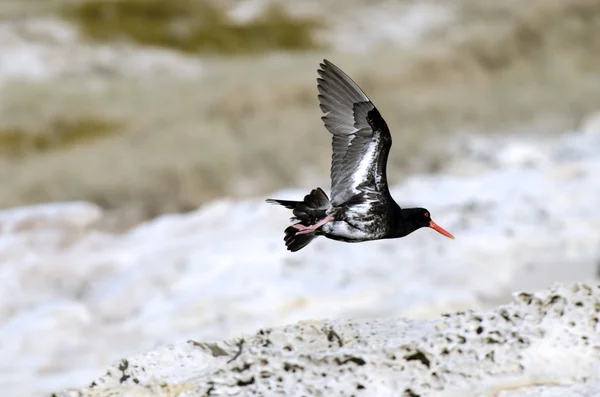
361	207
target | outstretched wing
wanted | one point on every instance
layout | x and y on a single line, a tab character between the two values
361	138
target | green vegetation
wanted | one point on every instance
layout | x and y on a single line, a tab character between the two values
198	26
60	134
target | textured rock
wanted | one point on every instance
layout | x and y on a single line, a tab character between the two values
543	344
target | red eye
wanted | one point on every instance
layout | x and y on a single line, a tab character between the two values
427	215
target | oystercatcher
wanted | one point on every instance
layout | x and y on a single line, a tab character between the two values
361	207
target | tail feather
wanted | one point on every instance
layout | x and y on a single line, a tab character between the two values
317	199
286	203
309	211
295	242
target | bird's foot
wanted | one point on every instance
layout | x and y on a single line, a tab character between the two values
313	228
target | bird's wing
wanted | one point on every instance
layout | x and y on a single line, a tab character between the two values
361	138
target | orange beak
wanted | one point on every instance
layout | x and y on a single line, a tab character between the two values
438	229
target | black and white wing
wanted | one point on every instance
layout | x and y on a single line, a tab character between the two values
361	138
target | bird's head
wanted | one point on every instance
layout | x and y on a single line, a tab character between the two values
416	218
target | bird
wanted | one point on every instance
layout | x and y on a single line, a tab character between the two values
361	207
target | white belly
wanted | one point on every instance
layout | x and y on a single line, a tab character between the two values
345	231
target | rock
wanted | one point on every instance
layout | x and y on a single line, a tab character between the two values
591	128
543	344
69	215
520	154
42	49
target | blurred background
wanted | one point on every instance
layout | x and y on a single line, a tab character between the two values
147	107
203	108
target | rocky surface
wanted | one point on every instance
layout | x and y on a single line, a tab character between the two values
543	344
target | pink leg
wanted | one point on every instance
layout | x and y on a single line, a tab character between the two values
300	226
313	228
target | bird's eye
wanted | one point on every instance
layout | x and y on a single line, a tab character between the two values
427	215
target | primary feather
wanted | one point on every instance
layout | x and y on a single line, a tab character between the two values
361	139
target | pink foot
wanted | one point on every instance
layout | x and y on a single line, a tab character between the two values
313	228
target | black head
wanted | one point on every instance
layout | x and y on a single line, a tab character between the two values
416	218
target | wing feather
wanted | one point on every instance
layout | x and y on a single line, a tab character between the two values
361	139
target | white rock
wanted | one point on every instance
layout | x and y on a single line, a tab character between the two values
72	215
246	11
591	127
44	49
403	24
521	155
543	344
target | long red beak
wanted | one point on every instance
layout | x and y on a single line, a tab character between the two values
438	229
